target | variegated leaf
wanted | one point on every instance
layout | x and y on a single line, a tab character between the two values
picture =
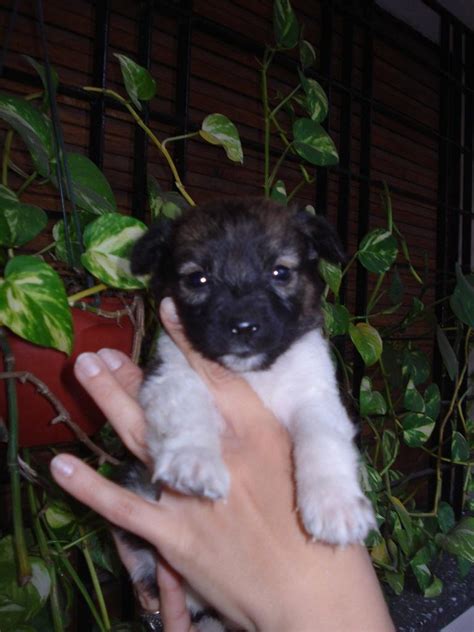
278	192
19	223
460	541
33	127
371	402
312	142
217	129
92	192
285	24
331	274
378	250
417	429
316	102
108	242
33	303
139	84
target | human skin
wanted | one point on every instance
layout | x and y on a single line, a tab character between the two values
248	556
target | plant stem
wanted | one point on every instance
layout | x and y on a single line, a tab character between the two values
27	183
95	582
275	110
373	296
45	554
19	541
70	570
114	95
78	296
172	139
267	59
276	167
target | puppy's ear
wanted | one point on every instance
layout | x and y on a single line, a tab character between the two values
149	251
323	238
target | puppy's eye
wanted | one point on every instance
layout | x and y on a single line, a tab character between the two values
197	279
281	273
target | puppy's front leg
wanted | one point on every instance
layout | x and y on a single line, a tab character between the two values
332	505
183	427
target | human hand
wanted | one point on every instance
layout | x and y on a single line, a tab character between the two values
249	556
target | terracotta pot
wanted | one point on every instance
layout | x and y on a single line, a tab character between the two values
91	333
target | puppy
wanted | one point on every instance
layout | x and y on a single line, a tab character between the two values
243	274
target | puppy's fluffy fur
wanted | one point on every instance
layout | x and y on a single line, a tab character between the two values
243	275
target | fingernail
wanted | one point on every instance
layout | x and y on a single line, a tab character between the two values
62	466
168	309
112	358
87	365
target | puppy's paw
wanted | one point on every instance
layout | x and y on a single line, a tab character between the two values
195	471
336	513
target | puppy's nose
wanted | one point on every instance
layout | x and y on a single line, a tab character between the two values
243	327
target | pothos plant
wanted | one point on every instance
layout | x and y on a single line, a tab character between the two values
88	253
399	404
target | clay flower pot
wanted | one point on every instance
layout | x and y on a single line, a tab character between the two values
91	333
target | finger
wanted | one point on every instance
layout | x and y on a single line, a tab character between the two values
126	372
118	406
119	506
174	612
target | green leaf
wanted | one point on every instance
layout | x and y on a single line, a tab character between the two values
40	69
396	581
19	604
417	429
371	402
371	479
33	127
432	401
316	101
459	447
278	192
217	129
312	142
331	275
462	299
396	290
415	365
168	204
61	519
459	541
367	341
285	24
447	353
59	236
19	223
7	195
139	84
390	448
413	400
378	251
434	589
336	318
419	565
33	303
307	54
446	517
92	192
109	241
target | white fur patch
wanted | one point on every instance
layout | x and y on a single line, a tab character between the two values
301	390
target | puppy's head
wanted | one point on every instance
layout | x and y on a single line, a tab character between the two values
243	274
